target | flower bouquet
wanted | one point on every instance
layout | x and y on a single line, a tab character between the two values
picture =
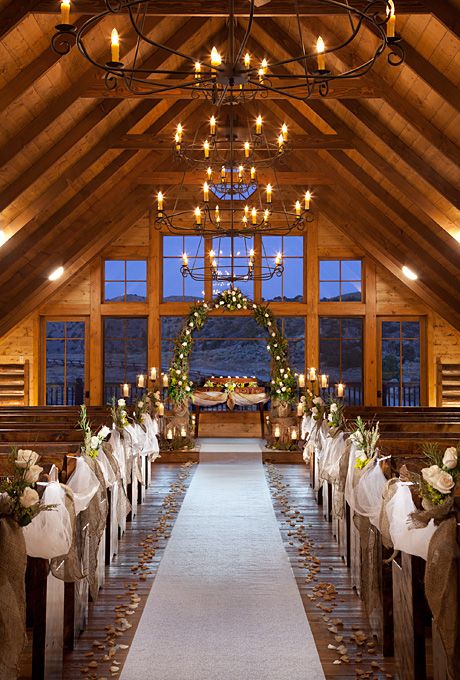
438	480
91	442
141	407
19	499
119	413
334	414
365	439
318	409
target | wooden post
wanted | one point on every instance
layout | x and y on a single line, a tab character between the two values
95	336
371	353
312	295
153	299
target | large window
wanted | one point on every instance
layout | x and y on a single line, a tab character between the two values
341	355
289	286
400	363
125	353
340	280
241	246
125	281
177	288
293	329
65	362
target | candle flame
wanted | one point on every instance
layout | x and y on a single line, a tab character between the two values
320	45
115	37
390	8
216	59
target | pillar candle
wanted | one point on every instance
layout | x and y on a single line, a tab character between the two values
312	374
301	380
165	380
340	389
125	390
153	373
141	380
277	432
161	409
324	380
300	409
294	434
169	434
183	432
115	45
65	12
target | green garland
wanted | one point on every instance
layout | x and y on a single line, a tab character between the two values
283	382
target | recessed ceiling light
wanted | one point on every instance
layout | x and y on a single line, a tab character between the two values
457	236
409	273
54	276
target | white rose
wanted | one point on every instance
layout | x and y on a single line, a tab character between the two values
184	344
187	332
438	479
140	404
123	413
314	411
330	417
121	402
187	389
180	382
94	442
277	357
178	371
32	474
196	314
333	407
29	497
221	302
450	458
317	400
238	306
103	432
191	324
26	458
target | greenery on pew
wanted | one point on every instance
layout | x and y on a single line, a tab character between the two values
365	438
91	442
140	408
334	413
19	499
119	413
438	481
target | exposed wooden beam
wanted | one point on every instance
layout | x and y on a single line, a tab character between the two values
446	13
14	13
206	8
173	178
303	142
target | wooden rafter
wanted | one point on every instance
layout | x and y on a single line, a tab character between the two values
14	13
446	13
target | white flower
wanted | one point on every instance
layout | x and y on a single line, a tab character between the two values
277	357
181	356
187	389
184	344
205	305
238	306
333	407
123	413
221	302
32	474
269	323
191	324
94	443
121	402
314	412
178	371
254	306
330	417
180	382
317	400
266	315
187	332
196	314
450	458
283	389
103	432
281	371
438	479
29	497
140	404
26	458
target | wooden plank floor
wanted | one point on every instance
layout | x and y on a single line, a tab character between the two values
334	610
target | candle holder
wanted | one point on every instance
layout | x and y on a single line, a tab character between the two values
115	65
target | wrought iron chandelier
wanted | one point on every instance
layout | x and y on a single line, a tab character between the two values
234	76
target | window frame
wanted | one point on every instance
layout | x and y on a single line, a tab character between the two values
206	284
125	259
340	280
259	261
341	317
124	338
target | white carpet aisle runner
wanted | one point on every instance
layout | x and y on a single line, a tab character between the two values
225	604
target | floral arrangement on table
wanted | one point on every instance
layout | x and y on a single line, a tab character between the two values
365	438
334	413
19	499
438	481
231	384
283	383
91	442
119	413
140	408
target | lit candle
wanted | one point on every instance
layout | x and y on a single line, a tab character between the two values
115	45
300	409
278	259
160	198
280	142
297	208
260	74
209	173
247	148
247	60
179	131
197	70
284	131
217	212
244	220
161	409
153	373
391	23
197	215
294	434
65	11
240	172
223	173
185	259
206	149
264	66
246	210
301	380
307	200
212	125
141	380
212	254
324	380
253	172
254	216
277	432
206	192
266	215
177	140
165	380
340	389
216	59
259	125
125	390
183	432
269	193
320	54
169	434
312	374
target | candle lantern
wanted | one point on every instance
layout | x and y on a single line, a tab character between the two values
277	432
169	434
301	380
300	409
165	380
161	409
183	432
153	373
141	380
125	389
294	434
312	374
341	390
324	381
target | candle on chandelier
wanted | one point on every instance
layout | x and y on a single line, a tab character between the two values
153	373
125	389
216	59
246	210
212	255
240	172
284	131
277	432
169	434
278	259
206	192
212	125
280	142
259	125
217	212
247	60
266	215
247	148
269	193
312	374
197	70
161	409
340	389
391	23
177	140
206	149
165	380
244	220
65	12
300	409
254	215
160	199
179	131
209	173
301	380
115	46
264	66
320	54
253	172
185	259
197	215
324	380
141	380
297	208
260	73
223	173
307	200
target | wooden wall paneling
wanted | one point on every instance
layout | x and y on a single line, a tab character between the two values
312	295
371	352
95	336
154	297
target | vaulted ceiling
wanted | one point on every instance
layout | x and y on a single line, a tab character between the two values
79	164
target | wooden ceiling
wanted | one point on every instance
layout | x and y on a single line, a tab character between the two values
79	165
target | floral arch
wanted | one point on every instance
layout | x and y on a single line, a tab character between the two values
283	382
